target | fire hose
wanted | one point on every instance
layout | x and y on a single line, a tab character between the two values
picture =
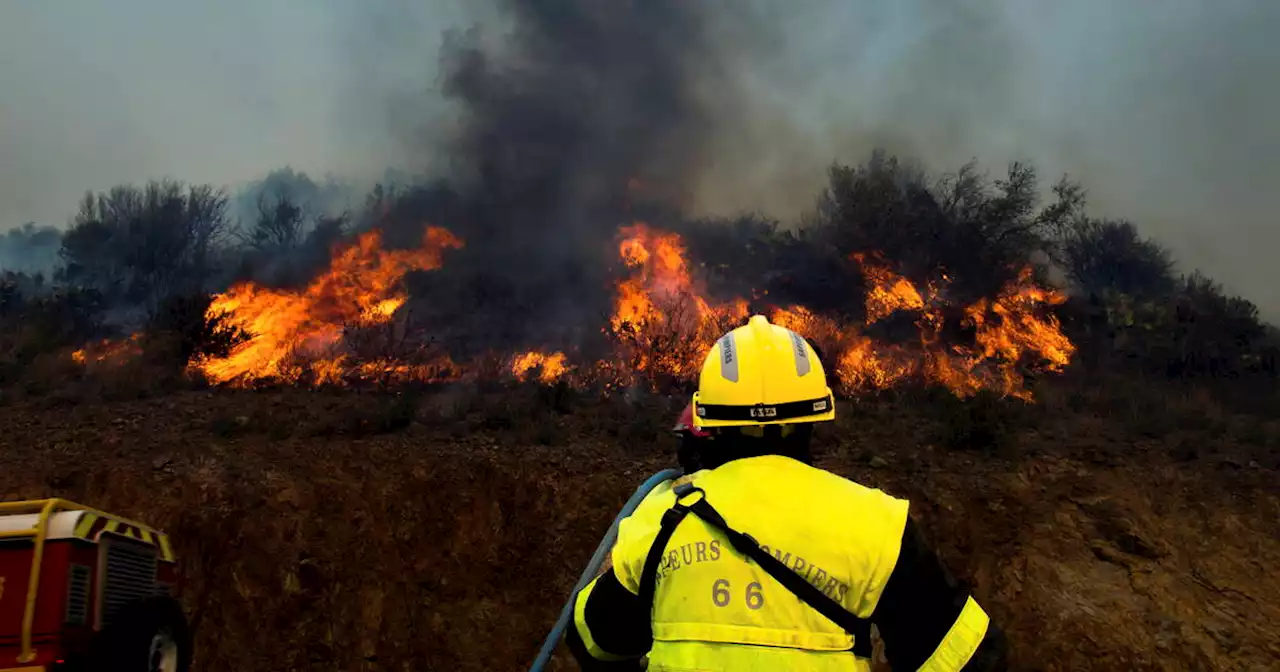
597	560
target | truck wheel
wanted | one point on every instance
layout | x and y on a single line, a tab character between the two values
150	636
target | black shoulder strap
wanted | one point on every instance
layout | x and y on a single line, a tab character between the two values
745	544
649	575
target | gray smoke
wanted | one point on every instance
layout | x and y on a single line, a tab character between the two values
29	249
1166	112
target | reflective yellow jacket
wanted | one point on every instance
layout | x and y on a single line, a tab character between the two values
715	609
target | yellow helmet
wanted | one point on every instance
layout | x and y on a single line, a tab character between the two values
762	374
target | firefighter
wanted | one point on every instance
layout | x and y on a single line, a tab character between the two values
760	561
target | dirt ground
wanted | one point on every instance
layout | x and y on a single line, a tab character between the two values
349	531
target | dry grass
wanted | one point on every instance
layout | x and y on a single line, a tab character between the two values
441	530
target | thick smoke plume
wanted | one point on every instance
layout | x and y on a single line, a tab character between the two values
584	116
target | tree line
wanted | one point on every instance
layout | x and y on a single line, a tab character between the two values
150	255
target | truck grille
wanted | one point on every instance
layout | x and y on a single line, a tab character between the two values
130	577
78	595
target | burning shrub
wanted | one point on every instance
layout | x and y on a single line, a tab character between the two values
293	332
546	368
347	327
898	279
662	323
184	329
343	329
1008	334
981	232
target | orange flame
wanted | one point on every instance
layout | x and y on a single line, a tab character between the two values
1017	328
661	320
551	367
361	287
109	352
662	325
889	292
1009	331
859	364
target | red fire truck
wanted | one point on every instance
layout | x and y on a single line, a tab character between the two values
84	590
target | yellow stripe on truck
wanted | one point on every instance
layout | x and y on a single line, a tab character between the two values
85	524
166	553
85	529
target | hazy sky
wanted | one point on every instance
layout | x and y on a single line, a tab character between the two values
1168	111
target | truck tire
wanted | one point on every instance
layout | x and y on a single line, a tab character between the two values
149	636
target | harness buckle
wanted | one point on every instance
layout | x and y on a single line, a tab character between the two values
685	489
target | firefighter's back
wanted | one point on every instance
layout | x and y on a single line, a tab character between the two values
716	610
